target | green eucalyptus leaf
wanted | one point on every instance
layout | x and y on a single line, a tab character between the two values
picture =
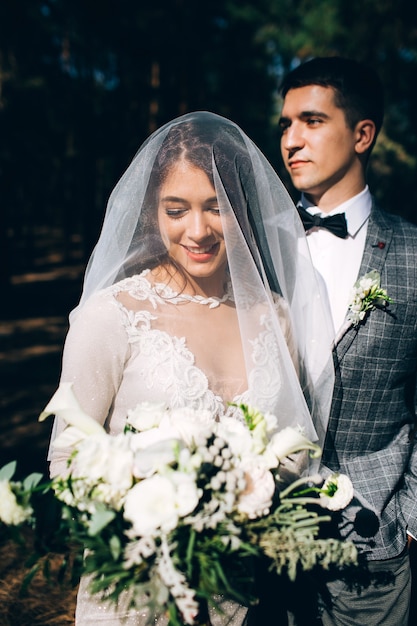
99	520
115	547
32	481
7	471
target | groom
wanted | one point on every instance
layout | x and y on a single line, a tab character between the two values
332	112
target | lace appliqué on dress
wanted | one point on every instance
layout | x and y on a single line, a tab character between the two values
265	377
167	361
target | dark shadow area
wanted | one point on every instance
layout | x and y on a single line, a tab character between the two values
33	324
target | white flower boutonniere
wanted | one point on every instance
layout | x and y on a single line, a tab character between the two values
367	295
337	492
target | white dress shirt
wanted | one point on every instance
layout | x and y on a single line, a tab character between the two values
338	260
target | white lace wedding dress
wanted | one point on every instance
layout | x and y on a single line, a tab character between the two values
139	341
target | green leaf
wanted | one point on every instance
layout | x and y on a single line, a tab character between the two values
99	520
32	481
189	553
115	547
7	471
28	579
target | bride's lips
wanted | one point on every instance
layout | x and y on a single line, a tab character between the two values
201	253
296	163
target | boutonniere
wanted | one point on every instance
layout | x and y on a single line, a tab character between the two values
367	295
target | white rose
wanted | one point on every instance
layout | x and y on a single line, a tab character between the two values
256	500
366	284
151	505
10	511
190	425
91	458
187	492
146	415
106	462
157	502
339	492
271	422
237	436
118	469
153	458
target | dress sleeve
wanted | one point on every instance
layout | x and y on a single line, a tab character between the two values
95	351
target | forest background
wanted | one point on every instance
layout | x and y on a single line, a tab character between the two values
84	82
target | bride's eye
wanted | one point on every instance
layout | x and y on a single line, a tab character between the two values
213	208
175	213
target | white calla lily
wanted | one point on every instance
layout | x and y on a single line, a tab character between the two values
65	405
69	438
288	441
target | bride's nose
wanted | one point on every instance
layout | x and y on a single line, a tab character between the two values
199	226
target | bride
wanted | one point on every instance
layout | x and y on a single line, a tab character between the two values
199	293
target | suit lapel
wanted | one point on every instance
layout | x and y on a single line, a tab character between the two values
378	241
377	244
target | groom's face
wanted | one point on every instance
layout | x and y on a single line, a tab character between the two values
318	146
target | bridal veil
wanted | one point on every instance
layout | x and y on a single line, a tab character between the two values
267	253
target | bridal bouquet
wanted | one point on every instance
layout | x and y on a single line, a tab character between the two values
176	509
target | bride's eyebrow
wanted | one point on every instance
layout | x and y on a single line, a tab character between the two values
178	199
173	199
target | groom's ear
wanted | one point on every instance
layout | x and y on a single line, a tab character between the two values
365	133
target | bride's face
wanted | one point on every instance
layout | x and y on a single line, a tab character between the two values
190	223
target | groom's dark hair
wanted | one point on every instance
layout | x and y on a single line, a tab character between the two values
358	89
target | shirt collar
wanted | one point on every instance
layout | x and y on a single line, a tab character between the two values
357	210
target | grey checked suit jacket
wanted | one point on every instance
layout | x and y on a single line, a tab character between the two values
370	432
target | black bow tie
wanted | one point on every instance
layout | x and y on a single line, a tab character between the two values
336	224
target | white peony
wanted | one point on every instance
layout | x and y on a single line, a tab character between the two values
10	511
146	415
